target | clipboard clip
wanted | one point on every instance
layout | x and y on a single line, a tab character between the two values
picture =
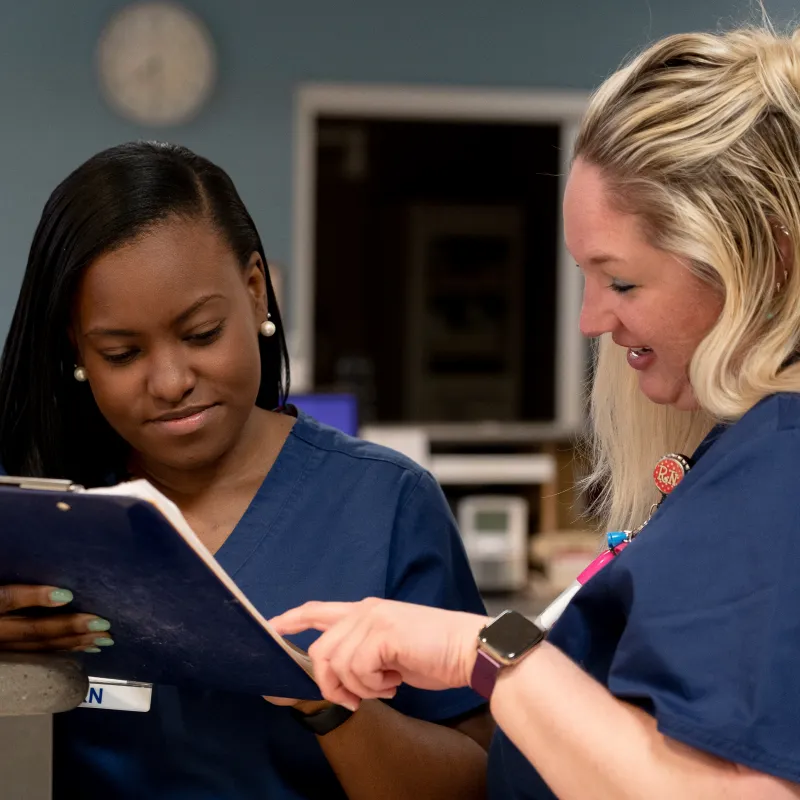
43	484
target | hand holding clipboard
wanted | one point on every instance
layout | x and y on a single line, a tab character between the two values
128	556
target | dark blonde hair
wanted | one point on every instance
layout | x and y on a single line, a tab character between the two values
699	136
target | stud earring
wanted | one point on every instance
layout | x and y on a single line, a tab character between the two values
267	327
80	374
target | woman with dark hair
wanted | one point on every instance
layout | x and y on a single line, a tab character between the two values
147	343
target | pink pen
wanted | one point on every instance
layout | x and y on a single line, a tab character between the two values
550	615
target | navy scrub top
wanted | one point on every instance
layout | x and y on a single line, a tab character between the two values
335	519
698	621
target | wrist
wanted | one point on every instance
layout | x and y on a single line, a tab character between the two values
523	673
469	648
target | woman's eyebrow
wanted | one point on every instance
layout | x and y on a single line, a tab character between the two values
182	317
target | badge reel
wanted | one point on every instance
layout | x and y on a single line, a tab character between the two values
668	473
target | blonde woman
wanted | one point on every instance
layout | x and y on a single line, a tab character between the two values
675	671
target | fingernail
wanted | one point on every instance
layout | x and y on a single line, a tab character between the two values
389	696
61	596
351	707
104	641
91	650
97	625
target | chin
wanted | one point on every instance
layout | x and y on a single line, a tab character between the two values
186	458
664	393
686	402
190	462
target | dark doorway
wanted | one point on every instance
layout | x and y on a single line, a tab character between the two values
435	269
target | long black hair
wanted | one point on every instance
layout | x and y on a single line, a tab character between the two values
50	425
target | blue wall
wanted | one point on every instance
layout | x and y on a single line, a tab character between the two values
53	116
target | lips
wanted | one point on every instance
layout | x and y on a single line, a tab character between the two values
185	421
182	413
640	358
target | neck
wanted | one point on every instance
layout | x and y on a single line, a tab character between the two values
243	462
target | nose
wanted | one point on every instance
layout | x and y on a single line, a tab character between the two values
597	316
170	377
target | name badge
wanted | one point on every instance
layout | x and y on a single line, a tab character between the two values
114	695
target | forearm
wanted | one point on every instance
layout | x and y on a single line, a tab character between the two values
379	752
587	744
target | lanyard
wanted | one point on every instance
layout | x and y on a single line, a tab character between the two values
668	473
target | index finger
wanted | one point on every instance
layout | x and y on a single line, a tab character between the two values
315	614
14	597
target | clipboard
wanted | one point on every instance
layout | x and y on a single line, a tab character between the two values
128	555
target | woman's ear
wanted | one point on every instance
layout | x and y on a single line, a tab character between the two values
256	284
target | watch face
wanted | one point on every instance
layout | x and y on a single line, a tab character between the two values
510	635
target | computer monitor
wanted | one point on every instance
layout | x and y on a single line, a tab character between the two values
337	410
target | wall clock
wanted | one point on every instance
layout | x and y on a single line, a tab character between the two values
156	63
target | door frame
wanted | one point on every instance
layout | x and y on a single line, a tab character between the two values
564	108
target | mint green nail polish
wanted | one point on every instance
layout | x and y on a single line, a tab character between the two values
104	641
92	650
61	596
97	625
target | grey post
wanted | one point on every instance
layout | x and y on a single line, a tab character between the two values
32	689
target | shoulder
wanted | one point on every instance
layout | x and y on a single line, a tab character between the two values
778	412
330	440
346	456
769	429
755	457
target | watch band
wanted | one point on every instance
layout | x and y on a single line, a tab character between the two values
484	674
323	721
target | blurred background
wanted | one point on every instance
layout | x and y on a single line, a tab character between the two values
404	164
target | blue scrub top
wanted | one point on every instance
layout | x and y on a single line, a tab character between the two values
335	519
698	621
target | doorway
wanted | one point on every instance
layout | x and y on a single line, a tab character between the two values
430	274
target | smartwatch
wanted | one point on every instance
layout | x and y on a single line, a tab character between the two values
505	641
323	721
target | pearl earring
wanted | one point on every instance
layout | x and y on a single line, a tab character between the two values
80	374
267	328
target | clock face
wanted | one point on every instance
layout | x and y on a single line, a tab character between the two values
156	63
